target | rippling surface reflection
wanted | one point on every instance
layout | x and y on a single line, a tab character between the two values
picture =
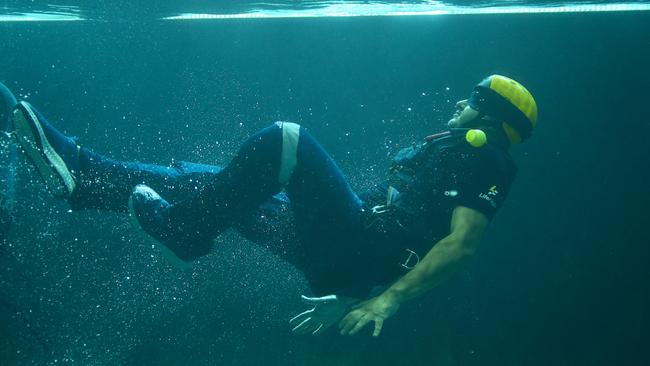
191	10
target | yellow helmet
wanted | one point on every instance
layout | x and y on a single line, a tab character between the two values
509	102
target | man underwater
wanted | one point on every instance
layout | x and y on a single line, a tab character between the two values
283	191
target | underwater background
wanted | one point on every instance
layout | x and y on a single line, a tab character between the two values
561	277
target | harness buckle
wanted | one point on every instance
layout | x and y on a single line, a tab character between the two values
412	256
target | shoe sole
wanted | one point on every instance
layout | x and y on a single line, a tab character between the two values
166	252
48	163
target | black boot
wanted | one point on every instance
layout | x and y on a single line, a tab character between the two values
151	213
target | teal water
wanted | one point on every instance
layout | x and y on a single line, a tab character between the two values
561	277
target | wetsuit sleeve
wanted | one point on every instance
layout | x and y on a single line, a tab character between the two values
482	180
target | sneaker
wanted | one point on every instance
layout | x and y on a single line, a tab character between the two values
149	213
54	155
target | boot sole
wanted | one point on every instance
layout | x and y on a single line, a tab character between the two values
49	165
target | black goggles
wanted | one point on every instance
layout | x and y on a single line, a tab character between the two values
488	102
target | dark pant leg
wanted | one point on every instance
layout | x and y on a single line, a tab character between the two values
106	184
328	219
272	226
327	211
244	184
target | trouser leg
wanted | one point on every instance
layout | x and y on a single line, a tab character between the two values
327	211
328	214
99	182
250	179
106	184
7	174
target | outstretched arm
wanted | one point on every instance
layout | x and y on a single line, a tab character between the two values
449	254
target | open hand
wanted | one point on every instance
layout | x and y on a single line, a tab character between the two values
375	310
326	311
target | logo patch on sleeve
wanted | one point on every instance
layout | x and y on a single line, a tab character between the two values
490	195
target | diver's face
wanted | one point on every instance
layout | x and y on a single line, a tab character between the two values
463	115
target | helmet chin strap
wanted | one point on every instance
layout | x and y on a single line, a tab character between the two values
492	127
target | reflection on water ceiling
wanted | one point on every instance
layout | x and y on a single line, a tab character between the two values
203	10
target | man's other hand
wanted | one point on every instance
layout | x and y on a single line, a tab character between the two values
325	311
